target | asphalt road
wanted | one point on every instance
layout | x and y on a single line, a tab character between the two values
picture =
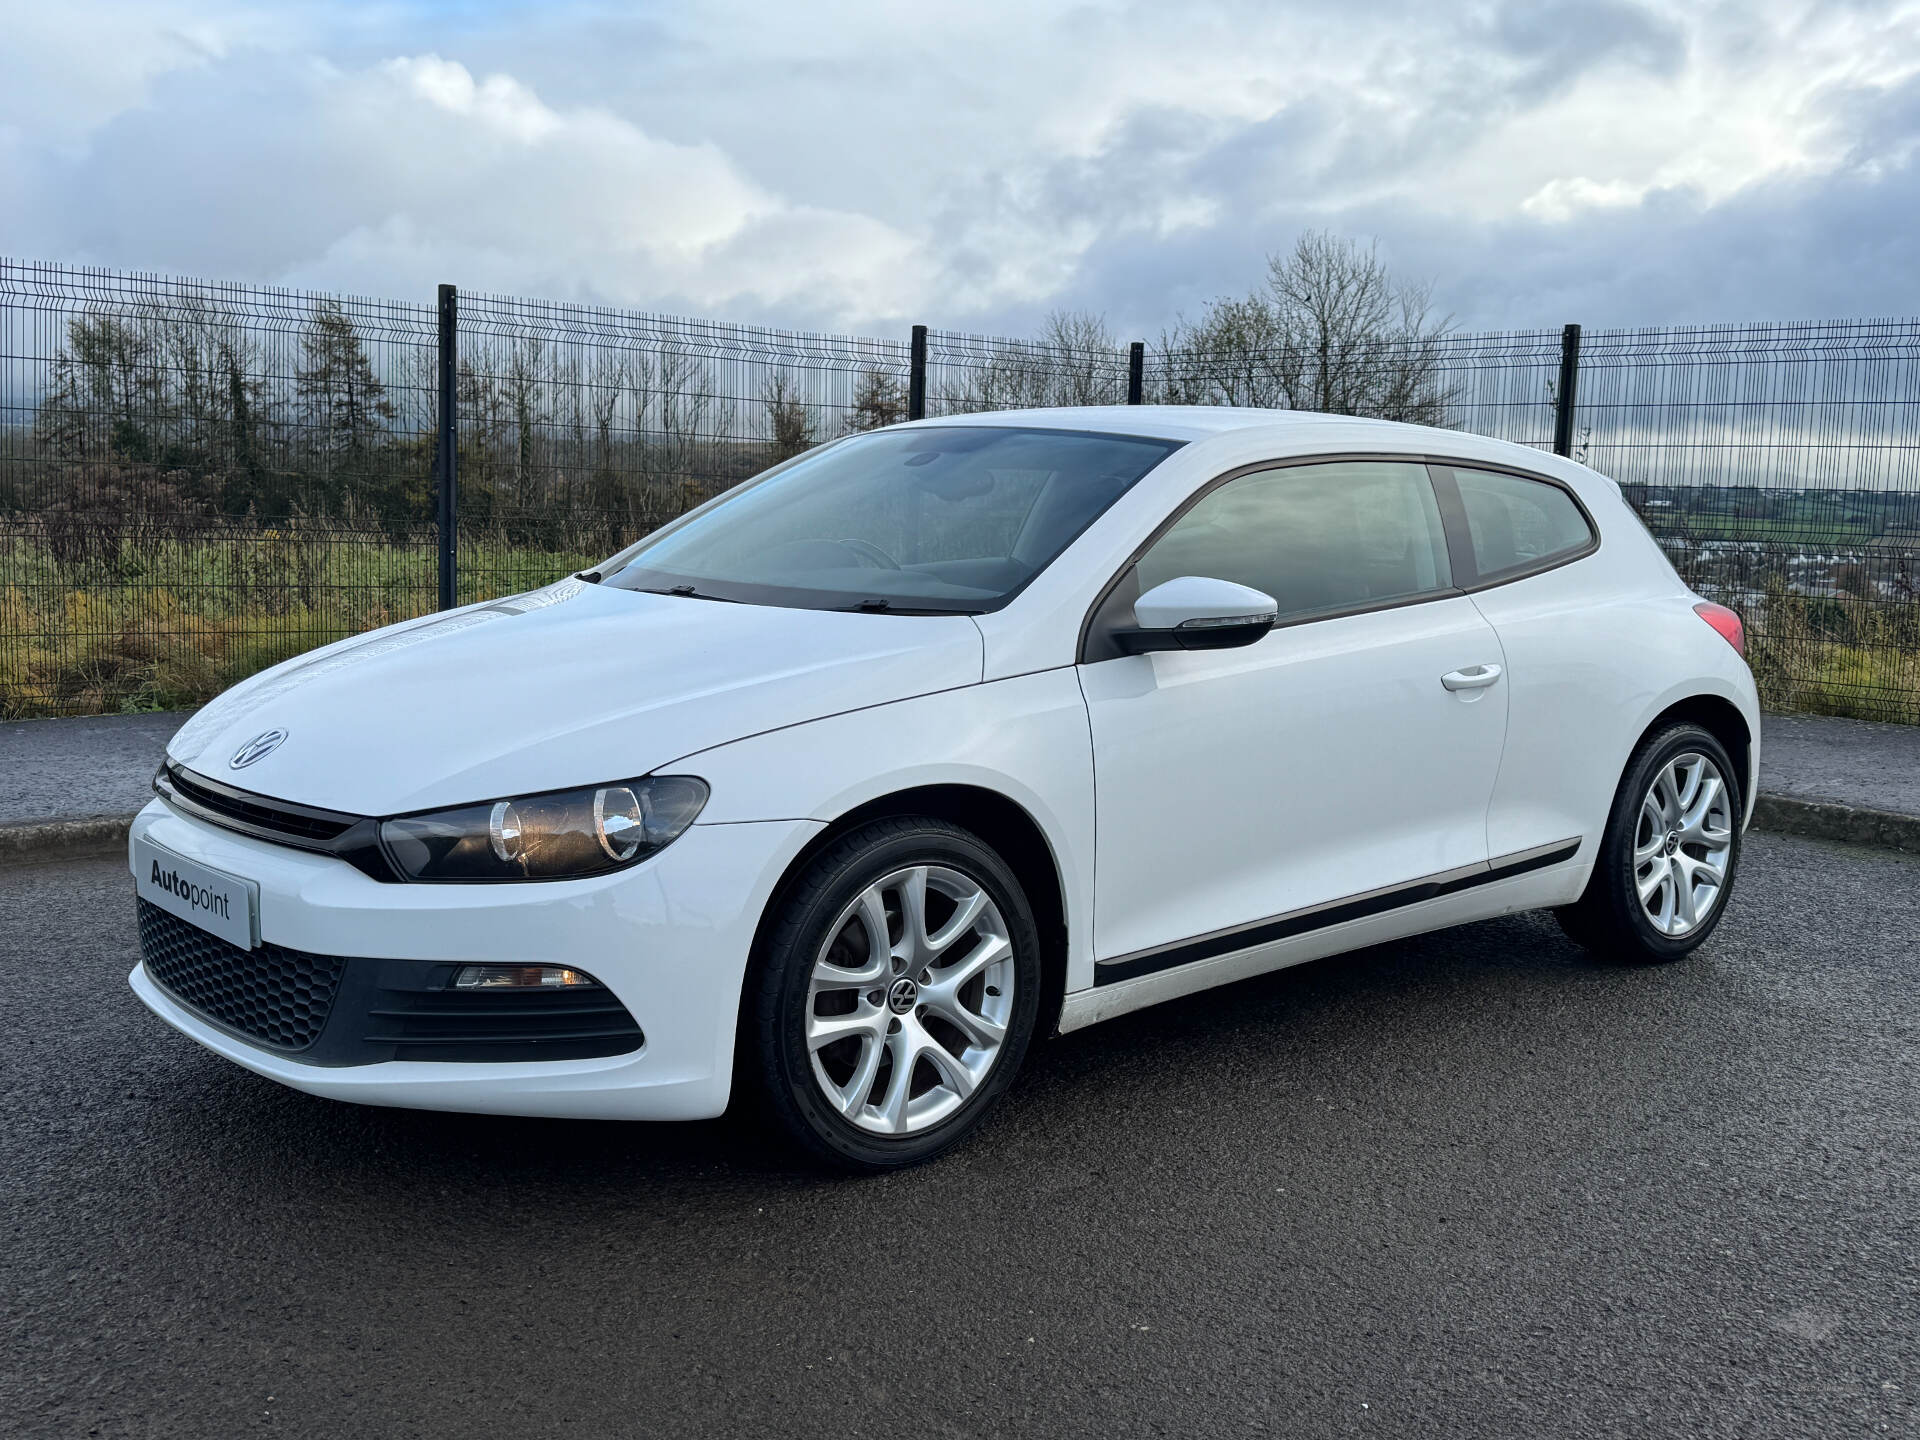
1471	1185
81	766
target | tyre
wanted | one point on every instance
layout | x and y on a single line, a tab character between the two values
895	994
1668	856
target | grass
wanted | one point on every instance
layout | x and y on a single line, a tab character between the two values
169	625
166	625
1871	674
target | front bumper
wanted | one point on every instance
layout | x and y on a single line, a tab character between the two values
670	938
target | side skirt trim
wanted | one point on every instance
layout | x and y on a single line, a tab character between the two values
1323	917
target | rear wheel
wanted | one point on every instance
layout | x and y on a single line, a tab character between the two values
896	994
1668	854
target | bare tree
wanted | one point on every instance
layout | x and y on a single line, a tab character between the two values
525	380
1332	330
1073	361
682	395
1235	354
787	419
606	381
1087	362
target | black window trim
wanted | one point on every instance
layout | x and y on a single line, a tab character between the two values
1096	642
1453	514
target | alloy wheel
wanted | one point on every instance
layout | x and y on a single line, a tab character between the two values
909	999
1683	844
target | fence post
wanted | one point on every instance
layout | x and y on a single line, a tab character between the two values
446	508
1137	372
917	375
1563	397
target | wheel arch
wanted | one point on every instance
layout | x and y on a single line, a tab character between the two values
1722	719
1000	821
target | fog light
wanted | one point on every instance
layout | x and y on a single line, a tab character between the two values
520	977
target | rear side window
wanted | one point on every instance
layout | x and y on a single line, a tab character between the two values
1318	538
1518	524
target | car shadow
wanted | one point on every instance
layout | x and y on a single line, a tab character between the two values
1410	993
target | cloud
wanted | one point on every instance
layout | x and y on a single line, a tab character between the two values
857	166
414	169
1570	196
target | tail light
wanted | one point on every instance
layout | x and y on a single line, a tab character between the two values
1726	621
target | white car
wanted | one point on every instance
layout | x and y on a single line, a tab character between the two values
857	778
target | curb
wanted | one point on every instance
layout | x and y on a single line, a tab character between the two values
61	839
1776	814
1830	820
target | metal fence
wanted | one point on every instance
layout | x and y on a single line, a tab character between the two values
583	428
1779	465
199	479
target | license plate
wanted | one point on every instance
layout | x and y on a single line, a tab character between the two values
219	903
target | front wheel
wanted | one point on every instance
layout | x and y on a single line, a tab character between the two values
1668	854
896	994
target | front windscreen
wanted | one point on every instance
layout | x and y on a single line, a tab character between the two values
943	519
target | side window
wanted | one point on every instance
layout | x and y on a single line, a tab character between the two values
1517	523
1315	537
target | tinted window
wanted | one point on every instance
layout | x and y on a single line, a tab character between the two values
1315	537
1518	523
945	518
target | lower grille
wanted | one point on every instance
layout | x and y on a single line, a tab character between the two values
441	1024
272	995
341	1010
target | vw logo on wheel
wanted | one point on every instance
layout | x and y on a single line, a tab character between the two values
902	996
258	748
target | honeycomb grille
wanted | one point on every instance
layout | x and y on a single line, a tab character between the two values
272	995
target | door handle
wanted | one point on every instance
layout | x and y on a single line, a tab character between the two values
1474	677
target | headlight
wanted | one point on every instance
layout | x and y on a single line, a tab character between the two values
562	835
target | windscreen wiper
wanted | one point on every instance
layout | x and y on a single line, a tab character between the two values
686	592
876	605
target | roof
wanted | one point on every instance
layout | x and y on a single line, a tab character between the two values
1288	431
1172	422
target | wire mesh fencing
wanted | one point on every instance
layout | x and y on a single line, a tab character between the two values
967	374
200	479
1500	384
1779	467
583	428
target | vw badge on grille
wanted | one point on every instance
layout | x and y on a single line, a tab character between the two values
258	748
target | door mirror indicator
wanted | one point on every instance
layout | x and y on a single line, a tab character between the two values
1195	612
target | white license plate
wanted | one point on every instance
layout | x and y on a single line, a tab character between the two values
219	903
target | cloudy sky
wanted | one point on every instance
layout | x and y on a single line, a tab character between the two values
861	166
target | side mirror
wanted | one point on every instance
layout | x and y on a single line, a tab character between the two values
1194	612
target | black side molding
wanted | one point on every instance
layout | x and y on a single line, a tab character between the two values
1323	917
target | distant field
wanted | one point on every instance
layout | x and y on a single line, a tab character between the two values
1835	534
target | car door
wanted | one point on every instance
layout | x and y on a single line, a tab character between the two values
1574	644
1351	750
